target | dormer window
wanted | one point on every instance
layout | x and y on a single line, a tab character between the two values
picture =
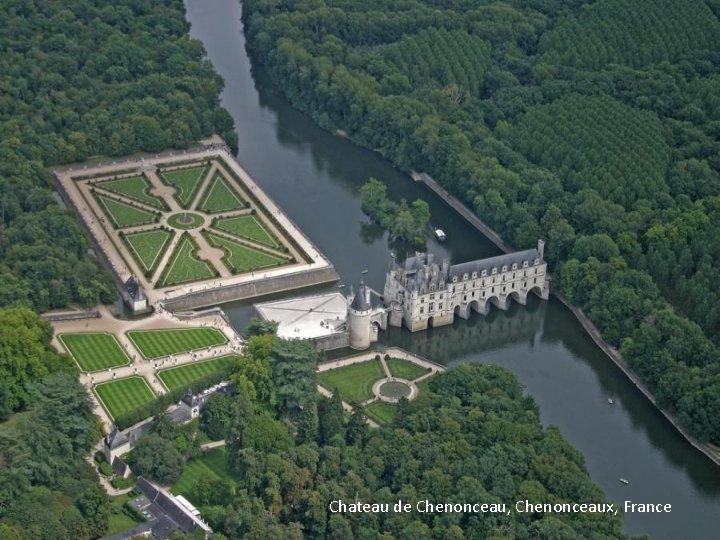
514	266
504	268
494	271
537	261
484	273
465	276
474	275
454	279
524	264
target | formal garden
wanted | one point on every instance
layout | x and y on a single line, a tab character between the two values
376	383
122	396
183	376
153	344
187	222
94	351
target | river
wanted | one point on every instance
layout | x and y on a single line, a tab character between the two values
314	176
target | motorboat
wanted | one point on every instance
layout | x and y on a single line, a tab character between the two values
440	235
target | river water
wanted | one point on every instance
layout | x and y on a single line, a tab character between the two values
314	176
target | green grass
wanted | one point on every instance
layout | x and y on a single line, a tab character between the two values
196	220
381	412
404	369
185	266
353	382
212	465
123	215
124	395
247	227
239	258
134	187
220	197
94	351
184	376
186	183
118	523
148	247
159	343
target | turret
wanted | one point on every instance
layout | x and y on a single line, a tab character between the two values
358	318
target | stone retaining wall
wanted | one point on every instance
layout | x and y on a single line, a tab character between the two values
252	289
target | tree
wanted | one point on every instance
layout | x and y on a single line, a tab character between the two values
293	365
156	458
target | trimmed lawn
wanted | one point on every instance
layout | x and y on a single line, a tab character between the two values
158	343
353	382
118	523
212	465
239	258
124	395
123	215
94	351
183	376
185	266
249	227
220	197
404	369
186	182
381	412
148	247
134	187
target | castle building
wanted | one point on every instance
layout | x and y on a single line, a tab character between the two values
364	320
420	292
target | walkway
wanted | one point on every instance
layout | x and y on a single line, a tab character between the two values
138	365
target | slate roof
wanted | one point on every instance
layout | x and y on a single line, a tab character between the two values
498	262
115	438
361	302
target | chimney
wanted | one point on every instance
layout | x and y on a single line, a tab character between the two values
541	248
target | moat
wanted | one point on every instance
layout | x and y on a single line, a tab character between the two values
314	177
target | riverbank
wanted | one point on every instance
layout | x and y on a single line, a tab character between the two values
711	451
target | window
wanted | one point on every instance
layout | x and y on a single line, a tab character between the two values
483	283
440	306
473	294
465	276
534	280
514	266
484	273
504	289
464	297
454	281
441	296
474	275
537	261
422	310
493	289
524	264
494	271
432	297
432	307
504	268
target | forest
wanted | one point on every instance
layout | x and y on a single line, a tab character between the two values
47	428
474	437
83	79
593	125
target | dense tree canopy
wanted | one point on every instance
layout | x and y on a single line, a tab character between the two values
591	124
472	436
80	79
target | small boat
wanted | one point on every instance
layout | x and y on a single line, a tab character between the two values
624	481
610	401
364	271
440	235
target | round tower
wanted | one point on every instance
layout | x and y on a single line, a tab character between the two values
358	319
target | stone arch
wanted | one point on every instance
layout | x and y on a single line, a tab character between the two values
537	290
518	296
474	305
